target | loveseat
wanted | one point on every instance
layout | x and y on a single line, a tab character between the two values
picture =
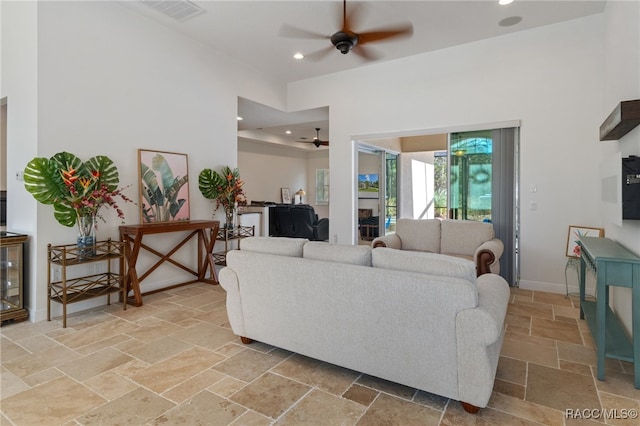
419	319
459	238
297	221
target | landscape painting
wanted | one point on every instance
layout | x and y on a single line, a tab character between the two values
368	186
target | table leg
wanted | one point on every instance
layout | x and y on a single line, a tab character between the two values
635	324
601	312
131	278
582	280
205	255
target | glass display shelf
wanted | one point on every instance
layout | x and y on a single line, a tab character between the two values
12	248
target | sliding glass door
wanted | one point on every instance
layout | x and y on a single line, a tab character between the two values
470	176
390	193
483	186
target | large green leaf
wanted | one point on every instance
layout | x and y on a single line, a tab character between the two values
108	173
65	215
208	182
43	181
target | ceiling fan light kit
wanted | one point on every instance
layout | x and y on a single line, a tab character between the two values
344	41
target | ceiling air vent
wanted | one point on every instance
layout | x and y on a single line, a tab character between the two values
180	10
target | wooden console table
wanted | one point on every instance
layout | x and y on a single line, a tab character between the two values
613	265
132	236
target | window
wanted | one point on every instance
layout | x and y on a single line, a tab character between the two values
322	186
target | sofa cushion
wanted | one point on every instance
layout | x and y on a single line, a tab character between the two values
281	246
419	234
339	253
464	236
427	263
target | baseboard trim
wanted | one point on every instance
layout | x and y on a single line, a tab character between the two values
554	287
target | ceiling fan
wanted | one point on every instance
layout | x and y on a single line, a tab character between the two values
316	141
347	40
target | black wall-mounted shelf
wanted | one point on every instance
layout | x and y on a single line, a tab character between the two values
621	121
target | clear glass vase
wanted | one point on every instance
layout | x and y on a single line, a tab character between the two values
86	242
229	217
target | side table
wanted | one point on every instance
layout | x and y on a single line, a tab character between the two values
228	235
613	265
70	290
132	235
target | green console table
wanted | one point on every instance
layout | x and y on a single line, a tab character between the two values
613	265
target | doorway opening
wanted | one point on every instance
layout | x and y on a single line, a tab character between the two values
470	175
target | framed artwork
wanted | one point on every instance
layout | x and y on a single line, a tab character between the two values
164	186
575	232
286	195
368	186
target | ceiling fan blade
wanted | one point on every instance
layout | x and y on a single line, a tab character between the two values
319	54
316	142
289	31
365	53
405	30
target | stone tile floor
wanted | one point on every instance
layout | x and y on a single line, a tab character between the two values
175	361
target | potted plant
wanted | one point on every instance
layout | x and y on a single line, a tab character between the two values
76	190
224	187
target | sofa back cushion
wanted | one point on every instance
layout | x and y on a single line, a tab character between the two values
338	253
464	236
275	245
419	234
423	262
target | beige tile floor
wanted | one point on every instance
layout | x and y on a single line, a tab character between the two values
175	361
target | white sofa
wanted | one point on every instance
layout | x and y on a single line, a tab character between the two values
460	238
419	319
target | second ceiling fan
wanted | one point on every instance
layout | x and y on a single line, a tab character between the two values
317	141
347	40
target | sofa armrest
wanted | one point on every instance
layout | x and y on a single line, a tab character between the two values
229	282
479	334
390	241
487	256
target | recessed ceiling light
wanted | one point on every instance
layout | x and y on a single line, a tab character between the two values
298	56
288	132
504	2
239	118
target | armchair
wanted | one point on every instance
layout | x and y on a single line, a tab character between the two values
299	221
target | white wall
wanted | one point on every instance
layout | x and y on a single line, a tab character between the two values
266	168
550	78
95	78
621	83
19	79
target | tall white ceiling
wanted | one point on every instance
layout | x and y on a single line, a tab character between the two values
251	32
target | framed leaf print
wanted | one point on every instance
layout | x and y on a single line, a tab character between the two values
164	186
